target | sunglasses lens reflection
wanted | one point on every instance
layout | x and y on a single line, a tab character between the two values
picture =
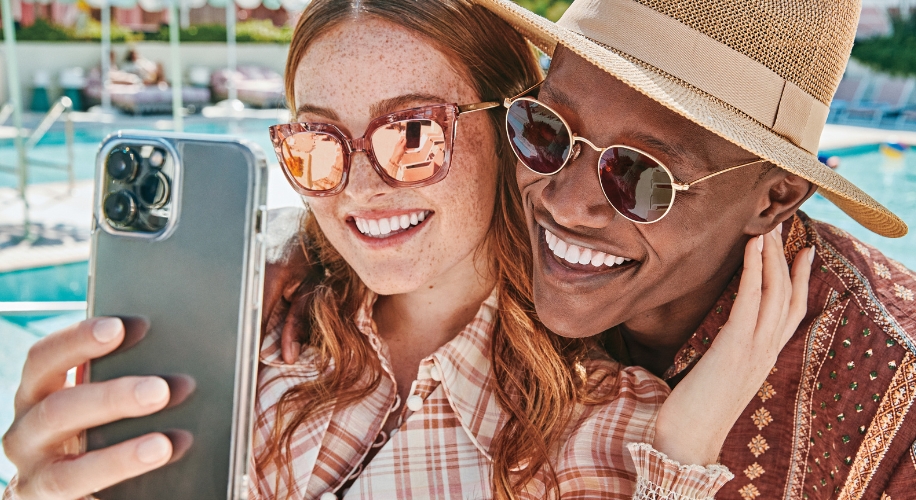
410	150
314	160
635	184
538	136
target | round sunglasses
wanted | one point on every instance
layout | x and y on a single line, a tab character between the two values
408	148
636	184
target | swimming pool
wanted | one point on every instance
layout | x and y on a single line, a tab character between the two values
87	137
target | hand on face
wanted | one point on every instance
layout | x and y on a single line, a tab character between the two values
694	422
43	441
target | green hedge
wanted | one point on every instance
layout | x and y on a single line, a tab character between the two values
259	31
551	9
895	53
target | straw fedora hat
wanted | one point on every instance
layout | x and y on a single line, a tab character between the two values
759	74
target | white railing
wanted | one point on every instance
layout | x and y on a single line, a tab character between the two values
32	308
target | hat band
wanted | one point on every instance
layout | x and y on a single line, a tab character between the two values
707	64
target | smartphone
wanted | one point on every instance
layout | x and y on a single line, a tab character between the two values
413	134
177	252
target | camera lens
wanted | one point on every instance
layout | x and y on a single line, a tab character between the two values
153	190
122	165
120	207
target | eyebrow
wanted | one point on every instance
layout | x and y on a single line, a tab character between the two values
380	108
555	95
675	151
317	110
402	102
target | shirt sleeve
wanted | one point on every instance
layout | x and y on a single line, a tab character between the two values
658	477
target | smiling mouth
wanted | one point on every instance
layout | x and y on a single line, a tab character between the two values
387	227
582	258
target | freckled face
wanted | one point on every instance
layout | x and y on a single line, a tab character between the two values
358	71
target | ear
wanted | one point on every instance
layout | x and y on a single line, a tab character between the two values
779	194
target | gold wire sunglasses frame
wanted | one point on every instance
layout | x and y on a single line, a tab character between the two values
575	149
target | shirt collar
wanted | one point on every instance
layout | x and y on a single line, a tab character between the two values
463	366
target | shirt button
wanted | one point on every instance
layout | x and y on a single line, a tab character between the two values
414	403
435	374
328	496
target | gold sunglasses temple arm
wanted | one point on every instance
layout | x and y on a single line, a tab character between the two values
507	101
684	187
479	106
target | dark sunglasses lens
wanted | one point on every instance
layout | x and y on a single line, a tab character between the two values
635	184
538	136
314	160
410	150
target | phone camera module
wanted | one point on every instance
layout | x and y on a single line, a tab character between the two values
120	208
122	165
153	190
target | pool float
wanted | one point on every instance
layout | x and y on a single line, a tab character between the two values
893	150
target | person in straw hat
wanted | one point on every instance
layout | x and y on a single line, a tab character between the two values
665	136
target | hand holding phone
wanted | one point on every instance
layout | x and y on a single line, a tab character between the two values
43	440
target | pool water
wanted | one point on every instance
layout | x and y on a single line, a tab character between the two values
891	181
53	148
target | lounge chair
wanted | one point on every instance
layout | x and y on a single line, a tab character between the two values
139	99
850	91
889	98
256	86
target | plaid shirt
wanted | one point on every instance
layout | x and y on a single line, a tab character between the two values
442	447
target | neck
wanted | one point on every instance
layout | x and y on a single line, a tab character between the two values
654	337
416	323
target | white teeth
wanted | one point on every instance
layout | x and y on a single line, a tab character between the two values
560	249
575	254
572	254
389	225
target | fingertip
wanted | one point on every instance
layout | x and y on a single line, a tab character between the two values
760	243
154	449
811	253
107	329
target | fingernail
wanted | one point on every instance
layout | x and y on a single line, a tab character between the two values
760	242
153	449
106	329
811	253
776	234
297	349
779	227
151	391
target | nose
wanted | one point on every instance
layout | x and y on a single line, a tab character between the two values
364	184
574	197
